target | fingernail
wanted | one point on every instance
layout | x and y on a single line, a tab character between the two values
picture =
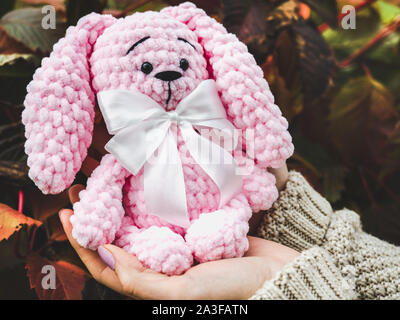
107	257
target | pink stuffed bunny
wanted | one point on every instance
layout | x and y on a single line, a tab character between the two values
164	55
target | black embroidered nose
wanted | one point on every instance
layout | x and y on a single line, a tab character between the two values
168	75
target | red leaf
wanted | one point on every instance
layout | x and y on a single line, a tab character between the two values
12	220
69	281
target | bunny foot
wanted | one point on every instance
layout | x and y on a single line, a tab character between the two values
157	248
219	234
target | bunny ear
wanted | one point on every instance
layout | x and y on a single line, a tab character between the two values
59	107
241	84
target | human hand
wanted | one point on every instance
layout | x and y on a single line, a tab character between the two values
237	278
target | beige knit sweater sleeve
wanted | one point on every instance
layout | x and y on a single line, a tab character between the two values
338	260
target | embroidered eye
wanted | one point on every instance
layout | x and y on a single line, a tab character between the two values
146	67
184	64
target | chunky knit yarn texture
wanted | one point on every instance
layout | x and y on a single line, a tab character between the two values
98	55
338	259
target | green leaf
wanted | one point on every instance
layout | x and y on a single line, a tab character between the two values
387	11
344	42
327	9
383	59
387	51
25	25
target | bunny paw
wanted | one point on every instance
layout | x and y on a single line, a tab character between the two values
217	235
159	249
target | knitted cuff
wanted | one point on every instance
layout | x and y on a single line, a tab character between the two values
299	218
310	276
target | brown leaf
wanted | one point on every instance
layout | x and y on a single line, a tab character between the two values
44	206
276	27
70	279
55	229
288	96
12	221
247	19
14	173
9	45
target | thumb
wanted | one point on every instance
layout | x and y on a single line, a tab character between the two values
136	279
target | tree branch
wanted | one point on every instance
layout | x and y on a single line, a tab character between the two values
386	31
362	5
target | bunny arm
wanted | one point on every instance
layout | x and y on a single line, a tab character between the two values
258	184
157	248
98	215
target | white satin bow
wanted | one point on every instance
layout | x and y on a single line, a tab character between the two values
141	126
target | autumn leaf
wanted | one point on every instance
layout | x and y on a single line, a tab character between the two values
14	173
69	281
288	95
45	206
55	229
25	26
11	221
9	45
301	55
362	120
248	20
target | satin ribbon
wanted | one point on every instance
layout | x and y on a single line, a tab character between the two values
141	128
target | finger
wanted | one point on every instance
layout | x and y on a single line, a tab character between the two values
73	192
260	247
97	268
281	175
265	248
143	283
254	246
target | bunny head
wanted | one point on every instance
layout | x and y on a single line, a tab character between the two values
150	52
164	55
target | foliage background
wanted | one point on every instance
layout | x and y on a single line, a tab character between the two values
339	89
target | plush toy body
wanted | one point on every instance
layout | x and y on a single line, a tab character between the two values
164	55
